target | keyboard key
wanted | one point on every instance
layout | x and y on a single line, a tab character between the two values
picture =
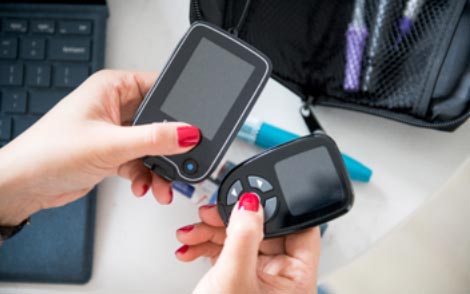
33	48
38	75
22	123
41	101
69	75
5	128
43	26
82	27
11	74
14	101
8	48
15	25
76	50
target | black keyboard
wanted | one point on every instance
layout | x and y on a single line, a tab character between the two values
46	50
42	58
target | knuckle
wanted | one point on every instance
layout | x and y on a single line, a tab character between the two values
244	229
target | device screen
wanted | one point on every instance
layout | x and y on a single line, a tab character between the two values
209	83
307	188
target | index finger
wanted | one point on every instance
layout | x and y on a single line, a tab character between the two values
210	215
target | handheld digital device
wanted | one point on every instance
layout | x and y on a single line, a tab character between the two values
301	184
211	81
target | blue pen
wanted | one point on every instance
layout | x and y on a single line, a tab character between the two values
267	136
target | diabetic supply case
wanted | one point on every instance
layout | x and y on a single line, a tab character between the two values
405	60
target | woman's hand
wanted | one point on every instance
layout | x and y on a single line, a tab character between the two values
243	262
83	139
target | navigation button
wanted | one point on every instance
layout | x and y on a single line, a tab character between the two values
260	183
269	208
234	192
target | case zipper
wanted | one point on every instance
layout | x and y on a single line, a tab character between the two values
196	9
449	125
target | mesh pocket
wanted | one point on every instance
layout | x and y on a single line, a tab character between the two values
389	50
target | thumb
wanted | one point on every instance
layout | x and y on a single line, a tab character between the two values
244	235
131	142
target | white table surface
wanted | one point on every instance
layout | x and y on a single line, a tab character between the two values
135	238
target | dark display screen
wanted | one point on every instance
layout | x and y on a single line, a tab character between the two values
308	187
208	87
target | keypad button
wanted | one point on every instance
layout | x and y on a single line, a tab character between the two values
82	27
259	183
8	48
43	26
38	75
269	208
234	192
75	50
190	166
15	25
70	75
22	123
41	101
11	74
5	128
33	48
14	101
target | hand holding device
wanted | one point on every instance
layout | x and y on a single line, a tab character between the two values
212	81
301	184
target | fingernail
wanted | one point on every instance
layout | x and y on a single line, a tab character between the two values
208	206
249	201
188	136
145	189
182	249
171	193
186	229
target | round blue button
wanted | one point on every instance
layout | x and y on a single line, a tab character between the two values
190	166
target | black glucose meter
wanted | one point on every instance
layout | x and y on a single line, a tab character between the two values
211	81
301	184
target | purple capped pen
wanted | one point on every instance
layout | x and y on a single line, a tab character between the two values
410	14
356	37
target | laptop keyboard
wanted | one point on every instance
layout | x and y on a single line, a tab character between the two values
41	61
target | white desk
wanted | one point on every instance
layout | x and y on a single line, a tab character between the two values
135	238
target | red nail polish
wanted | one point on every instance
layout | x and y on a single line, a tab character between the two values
145	189
249	201
171	193
182	249
186	229
188	136
208	206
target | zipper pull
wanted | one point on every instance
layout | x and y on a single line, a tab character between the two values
306	111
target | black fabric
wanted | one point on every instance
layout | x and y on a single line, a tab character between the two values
306	41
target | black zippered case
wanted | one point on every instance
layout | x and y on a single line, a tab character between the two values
406	60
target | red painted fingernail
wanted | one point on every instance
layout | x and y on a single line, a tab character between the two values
182	249
186	229
249	201
171	193
188	136
145	189
207	206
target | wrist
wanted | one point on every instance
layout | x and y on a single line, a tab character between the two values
16	202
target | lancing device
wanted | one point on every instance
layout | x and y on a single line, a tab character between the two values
267	136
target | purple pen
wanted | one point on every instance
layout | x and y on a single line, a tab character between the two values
410	14
356	37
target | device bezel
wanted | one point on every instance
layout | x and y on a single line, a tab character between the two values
226	132
263	165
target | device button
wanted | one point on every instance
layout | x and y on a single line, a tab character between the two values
234	192
190	166
260	183
269	208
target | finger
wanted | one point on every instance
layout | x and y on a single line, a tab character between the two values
138	174
127	88
273	246
161	189
129	143
201	233
189	253
244	235
304	246
210	215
